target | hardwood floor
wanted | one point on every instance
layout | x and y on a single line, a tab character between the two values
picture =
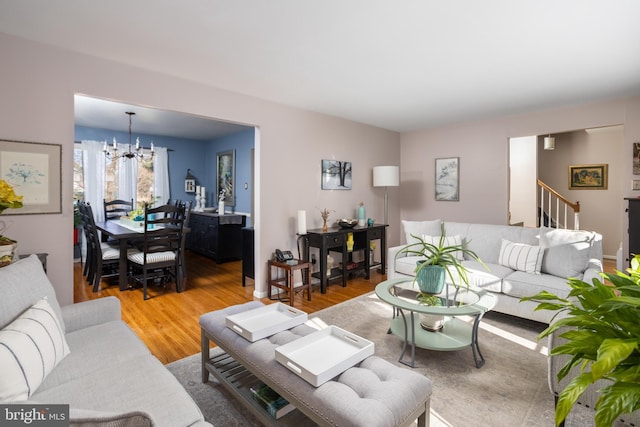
168	323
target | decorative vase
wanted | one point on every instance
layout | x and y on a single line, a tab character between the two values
361	215
431	278
8	253
432	322
221	207
324	225
349	242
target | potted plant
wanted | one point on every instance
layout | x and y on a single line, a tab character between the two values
601	326
439	259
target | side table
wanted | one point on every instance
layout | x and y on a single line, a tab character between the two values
286	283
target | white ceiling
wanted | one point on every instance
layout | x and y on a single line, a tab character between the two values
400	65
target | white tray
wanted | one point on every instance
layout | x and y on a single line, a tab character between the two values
322	355
265	321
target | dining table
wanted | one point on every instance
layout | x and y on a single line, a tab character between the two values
124	231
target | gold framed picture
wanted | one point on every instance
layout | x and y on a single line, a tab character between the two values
588	177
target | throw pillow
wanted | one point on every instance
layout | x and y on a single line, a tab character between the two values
30	347
566	252
420	228
520	256
448	241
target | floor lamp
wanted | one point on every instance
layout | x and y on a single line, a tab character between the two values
386	176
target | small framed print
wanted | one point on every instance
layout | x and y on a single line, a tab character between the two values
33	169
588	177
447	179
336	175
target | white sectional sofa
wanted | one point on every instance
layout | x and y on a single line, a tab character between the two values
547	258
82	355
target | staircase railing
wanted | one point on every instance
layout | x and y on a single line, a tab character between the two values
550	201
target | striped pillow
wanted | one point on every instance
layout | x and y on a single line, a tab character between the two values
30	347
521	257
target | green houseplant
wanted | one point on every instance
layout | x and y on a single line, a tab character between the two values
442	257
601	325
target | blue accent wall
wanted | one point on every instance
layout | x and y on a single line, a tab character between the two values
197	155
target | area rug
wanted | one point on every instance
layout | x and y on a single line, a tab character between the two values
509	390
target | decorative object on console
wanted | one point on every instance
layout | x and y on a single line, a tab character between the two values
130	154
447	179
221	199
386	176
336	175
189	183
34	170
362	215
302	222
347	222
325	216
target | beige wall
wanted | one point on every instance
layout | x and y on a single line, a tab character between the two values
38	83
482	148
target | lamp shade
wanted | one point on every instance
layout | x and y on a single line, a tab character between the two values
549	143
386	176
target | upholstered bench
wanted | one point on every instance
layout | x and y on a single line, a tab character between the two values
374	393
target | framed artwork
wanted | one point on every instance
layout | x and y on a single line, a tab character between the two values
636	158
447	179
33	169
336	175
226	176
588	177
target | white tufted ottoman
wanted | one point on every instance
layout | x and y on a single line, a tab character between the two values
374	393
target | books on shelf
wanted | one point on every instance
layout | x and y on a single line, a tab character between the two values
276	405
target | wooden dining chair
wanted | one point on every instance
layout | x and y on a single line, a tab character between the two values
102	259
115	209
160	258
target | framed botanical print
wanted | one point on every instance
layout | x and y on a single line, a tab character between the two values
33	169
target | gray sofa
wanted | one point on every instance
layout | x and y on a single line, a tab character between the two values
108	377
552	256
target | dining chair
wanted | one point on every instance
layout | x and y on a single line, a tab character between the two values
160	258
115	209
102	259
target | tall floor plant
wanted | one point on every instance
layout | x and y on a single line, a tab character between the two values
601	325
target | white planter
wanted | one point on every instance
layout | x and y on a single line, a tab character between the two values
432	322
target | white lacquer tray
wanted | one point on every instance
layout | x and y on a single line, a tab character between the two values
322	355
265	321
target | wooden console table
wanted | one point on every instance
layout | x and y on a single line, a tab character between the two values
216	236
335	239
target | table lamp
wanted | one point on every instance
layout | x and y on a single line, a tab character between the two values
386	176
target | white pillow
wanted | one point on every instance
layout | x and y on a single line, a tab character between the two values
448	241
30	347
520	256
419	228
566	252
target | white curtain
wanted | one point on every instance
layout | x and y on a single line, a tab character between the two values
93	165
127	177
161	192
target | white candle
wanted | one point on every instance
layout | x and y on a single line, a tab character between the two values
198	190
137	143
152	147
115	146
302	222
204	191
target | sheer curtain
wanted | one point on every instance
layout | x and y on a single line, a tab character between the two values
127	177
93	165
161	192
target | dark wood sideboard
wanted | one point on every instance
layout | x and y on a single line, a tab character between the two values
216	236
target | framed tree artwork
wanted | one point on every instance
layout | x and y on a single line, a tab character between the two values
336	175
588	177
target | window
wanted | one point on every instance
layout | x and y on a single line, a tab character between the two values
144	193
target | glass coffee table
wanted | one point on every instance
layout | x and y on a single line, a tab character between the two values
455	333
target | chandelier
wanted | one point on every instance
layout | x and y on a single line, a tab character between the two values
113	153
